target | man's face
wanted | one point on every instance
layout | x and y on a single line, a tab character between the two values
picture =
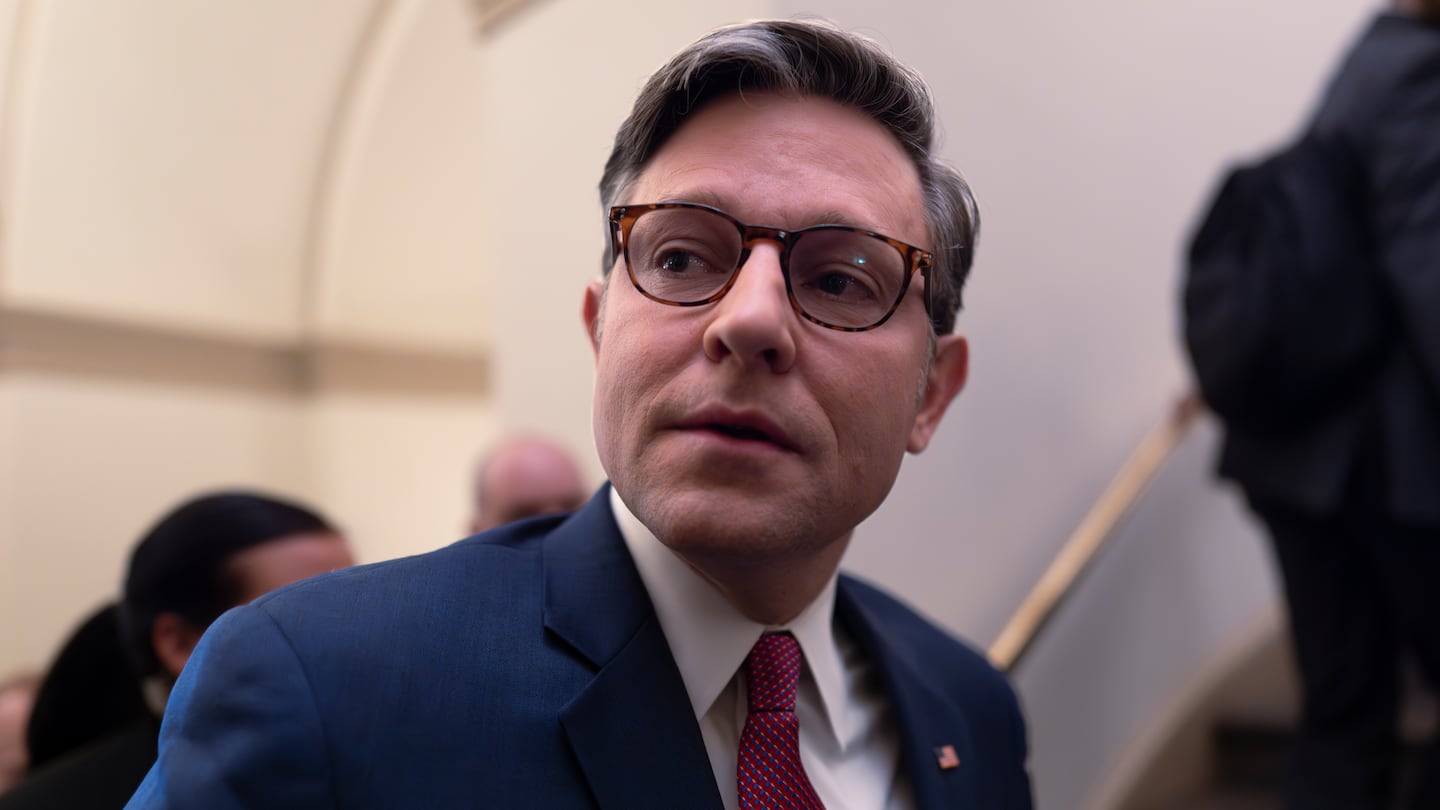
737	430
263	568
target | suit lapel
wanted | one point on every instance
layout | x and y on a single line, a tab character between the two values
632	729
931	726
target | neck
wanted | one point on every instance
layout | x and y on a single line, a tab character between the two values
770	592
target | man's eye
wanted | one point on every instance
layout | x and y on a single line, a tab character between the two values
680	262
841	285
834	284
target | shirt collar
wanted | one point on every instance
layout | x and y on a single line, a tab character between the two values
710	639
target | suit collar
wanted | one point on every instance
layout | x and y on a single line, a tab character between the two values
927	720
594	599
631	728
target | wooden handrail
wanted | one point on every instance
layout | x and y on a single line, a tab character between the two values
1094	530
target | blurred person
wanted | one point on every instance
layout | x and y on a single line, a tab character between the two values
523	477
1313	321
17	695
773	331
207	555
90	691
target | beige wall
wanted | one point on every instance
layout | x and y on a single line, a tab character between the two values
162	157
91	462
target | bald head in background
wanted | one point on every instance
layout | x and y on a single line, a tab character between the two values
524	477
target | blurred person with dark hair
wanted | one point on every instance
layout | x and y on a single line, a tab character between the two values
209	554
523	477
1313	321
17	696
90	691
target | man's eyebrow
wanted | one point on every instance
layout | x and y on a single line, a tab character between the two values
696	196
824	216
833	217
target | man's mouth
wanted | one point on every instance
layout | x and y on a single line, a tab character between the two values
742	425
740	432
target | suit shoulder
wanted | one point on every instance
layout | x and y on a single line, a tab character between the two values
499	555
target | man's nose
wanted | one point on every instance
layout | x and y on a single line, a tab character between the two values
754	322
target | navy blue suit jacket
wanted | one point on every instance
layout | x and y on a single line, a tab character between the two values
520	668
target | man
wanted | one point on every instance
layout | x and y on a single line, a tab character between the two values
525	476
683	641
1313	319
209	554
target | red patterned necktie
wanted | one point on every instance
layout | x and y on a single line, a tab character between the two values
770	773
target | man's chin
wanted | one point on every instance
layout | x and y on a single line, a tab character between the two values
742	532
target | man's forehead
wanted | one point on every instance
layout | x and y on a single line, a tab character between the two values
790	163
820	213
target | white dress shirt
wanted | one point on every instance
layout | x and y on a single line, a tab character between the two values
848	741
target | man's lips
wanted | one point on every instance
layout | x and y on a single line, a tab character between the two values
743	425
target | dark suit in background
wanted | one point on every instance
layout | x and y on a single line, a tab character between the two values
1313	321
91	736
100	775
482	647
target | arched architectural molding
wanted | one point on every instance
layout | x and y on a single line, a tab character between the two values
374	54
17	61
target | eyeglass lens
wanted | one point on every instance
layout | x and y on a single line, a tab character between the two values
836	275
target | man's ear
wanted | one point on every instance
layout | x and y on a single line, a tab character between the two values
590	311
947	376
173	638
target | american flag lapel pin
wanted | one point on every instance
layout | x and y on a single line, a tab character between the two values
946	758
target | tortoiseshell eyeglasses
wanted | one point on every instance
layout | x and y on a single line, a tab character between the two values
689	254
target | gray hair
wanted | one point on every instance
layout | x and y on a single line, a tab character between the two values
810	58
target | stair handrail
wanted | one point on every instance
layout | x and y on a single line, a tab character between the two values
1090	536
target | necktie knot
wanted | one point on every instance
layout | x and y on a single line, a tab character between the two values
772	673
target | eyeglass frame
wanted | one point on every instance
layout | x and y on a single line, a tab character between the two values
622	219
